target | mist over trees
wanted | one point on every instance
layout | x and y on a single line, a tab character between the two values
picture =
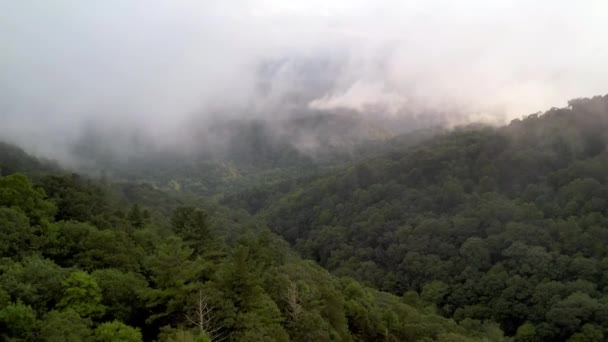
81	262
476	234
506	223
269	170
146	74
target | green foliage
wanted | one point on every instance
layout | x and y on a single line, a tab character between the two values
82	294
17	237
181	335
81	244
173	273
77	199
13	159
191	225
34	281
589	333
65	326
17	192
434	292
17	321
137	217
116	331
121	292
509	220
526	333
472	231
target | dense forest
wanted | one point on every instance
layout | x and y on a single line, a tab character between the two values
86	260
473	234
233	155
506	224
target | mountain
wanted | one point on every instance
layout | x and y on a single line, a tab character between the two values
87	260
503	223
226	155
13	159
431	234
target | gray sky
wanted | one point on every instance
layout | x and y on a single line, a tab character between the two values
157	65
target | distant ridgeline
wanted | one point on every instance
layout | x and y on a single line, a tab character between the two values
82	260
475	232
13	159
234	155
508	224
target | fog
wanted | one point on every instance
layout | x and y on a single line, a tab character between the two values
160	68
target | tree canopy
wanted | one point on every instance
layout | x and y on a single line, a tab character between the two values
472	234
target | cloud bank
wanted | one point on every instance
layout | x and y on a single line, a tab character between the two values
159	66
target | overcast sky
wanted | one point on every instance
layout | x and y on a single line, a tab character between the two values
158	64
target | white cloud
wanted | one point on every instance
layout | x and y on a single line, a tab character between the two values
158	64
363	97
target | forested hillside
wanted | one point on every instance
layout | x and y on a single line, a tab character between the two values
82	260
303	170
508	224
233	155
463	235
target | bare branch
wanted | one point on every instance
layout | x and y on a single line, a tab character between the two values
206	320
294	306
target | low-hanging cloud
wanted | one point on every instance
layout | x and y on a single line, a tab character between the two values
363	97
159	66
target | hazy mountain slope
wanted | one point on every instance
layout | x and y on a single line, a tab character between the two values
81	260
504	223
230	155
13	159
